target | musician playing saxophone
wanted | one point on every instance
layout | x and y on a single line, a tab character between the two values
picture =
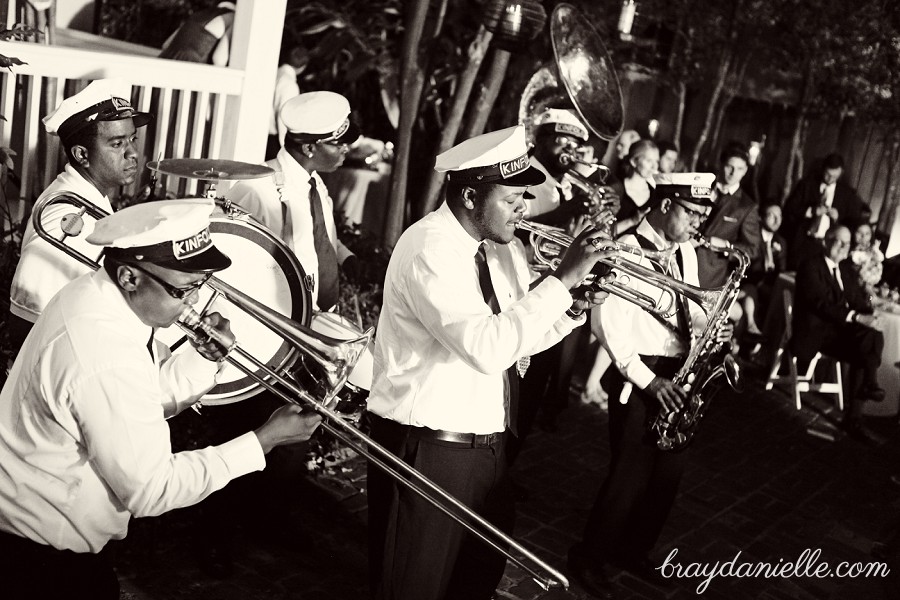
640	488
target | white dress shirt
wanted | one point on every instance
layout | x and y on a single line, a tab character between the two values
262	198
627	331
440	352
548	194
43	270
826	192
84	444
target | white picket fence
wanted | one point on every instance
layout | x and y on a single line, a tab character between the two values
201	111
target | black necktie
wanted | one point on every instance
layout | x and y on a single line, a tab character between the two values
150	346
836	272
328	265
510	376
681	309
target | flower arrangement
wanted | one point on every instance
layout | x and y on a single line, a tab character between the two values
867	262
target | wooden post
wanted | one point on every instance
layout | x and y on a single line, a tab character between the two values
255	45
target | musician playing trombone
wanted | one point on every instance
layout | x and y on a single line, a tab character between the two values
460	313
84	443
98	130
647	349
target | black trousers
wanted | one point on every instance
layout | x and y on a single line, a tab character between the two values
640	488
857	346
415	551
33	571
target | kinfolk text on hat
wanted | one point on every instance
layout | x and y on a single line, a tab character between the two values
169	233
562	120
495	157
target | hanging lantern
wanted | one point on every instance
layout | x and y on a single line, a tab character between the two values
514	22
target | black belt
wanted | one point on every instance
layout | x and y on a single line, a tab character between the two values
470	440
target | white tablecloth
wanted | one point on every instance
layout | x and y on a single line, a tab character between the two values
889	372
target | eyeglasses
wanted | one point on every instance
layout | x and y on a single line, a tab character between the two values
179	293
694	215
567	142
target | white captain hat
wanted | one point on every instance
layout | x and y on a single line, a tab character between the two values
319	117
169	233
562	120
101	100
693	187
495	157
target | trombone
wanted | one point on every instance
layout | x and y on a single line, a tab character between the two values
336	359
549	242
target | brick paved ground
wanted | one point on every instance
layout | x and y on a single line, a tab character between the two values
759	482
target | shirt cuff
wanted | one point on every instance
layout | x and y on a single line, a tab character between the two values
557	291
640	374
243	455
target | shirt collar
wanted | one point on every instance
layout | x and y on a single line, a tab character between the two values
831	264
75	182
645	229
467	243
291	167
766	235
728	190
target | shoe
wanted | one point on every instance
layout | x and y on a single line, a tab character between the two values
855	430
644	569
873	394
593	580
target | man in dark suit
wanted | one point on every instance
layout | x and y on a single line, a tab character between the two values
816	203
734	219
832	315
764	269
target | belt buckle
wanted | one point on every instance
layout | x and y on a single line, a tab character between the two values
481	440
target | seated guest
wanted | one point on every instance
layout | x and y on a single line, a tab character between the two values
84	441
833	315
620	151
734	219
865	257
98	131
764	269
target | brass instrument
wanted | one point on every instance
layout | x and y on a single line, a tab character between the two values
335	359
708	360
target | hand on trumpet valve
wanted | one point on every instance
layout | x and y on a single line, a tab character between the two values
589	295
669	394
287	425
580	257
214	339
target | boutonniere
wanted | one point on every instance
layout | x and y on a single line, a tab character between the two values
776	246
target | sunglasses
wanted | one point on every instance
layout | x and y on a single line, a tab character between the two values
700	217
179	293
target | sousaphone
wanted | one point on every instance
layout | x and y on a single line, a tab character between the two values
582	77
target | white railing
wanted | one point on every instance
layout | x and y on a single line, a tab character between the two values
201	111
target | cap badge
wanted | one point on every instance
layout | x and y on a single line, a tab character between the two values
191	246
508	168
342	129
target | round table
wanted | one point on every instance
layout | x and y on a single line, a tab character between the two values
888	315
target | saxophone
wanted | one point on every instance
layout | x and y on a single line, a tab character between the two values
708	360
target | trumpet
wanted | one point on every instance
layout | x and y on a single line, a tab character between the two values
334	360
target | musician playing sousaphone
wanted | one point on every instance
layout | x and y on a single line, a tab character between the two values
642	482
560	144
461	309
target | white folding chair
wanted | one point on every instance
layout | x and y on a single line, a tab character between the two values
795	382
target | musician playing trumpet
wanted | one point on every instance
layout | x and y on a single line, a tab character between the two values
647	351
461	312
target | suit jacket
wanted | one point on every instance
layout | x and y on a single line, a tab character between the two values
806	195
821	306
757	270
735	218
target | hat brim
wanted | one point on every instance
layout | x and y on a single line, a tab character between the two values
352	134
210	260
528	177
140	119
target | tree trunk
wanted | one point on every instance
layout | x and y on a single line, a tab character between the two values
477	50
412	80
889	203
487	96
721	73
794	155
885	149
681	99
865	156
